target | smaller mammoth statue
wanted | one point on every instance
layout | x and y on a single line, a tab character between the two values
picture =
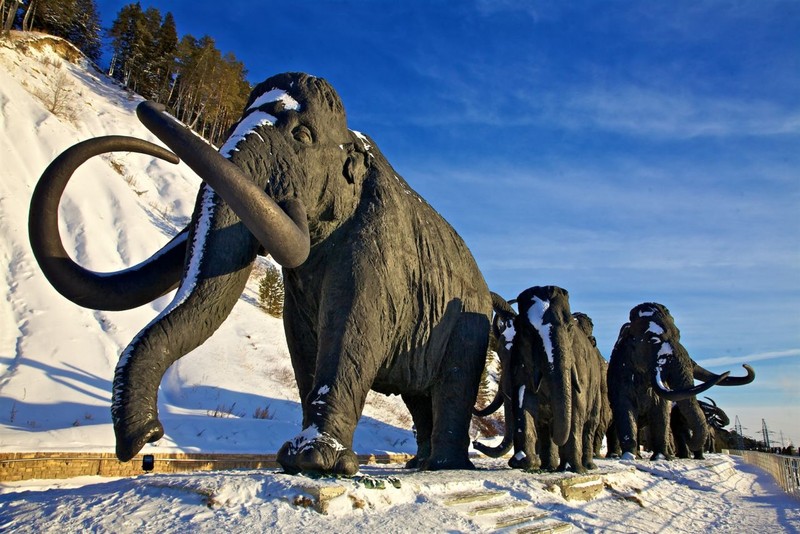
605	423
716	420
648	370
551	384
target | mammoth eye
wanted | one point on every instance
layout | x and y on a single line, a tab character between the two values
303	135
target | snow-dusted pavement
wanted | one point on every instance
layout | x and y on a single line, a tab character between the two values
719	494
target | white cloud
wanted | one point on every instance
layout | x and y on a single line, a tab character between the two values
676	113
773	355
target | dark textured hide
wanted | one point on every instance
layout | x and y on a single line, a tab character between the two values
389	298
648	351
549	404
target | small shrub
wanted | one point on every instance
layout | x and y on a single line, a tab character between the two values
271	291
263	413
58	100
225	412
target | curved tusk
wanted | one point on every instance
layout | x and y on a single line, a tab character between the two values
284	234
683	394
700	373
121	290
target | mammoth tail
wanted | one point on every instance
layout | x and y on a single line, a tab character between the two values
499	450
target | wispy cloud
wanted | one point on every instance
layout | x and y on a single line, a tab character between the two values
645	111
729	360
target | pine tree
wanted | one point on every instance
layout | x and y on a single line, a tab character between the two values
166	45
271	291
55	16
128	38
84	29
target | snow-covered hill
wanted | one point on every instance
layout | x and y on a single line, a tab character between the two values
57	362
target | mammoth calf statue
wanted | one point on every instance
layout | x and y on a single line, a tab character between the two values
380	291
649	369
552	382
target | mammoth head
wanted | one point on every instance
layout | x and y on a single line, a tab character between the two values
661	354
291	171
294	131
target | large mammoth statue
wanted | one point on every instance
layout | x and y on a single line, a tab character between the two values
381	292
553	375
648	370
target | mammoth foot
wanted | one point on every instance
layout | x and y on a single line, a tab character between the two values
317	453
132	437
567	466
523	461
435	463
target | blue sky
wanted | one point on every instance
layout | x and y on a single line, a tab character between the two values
626	151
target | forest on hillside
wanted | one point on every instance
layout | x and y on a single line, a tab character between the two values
200	85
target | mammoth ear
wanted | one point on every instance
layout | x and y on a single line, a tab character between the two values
355	167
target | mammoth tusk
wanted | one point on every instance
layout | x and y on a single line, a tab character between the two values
682	394
700	373
282	232
121	290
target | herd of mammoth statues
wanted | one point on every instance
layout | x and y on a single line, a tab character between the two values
380	293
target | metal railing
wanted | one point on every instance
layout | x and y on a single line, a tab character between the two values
784	469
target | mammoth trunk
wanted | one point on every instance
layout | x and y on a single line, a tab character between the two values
220	259
695	422
562	385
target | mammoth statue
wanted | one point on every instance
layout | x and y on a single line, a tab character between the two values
716	420
648	370
552	374
380	292
604	425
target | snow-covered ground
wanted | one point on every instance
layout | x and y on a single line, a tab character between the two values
720	494
57	362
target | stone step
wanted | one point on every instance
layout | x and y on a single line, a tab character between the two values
511	520
466	497
496	508
580	488
551	527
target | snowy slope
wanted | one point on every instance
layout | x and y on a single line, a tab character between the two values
57	362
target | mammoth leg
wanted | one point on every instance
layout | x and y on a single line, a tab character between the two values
696	423
525	435
344	370
627	432
546	448
455	393
613	449
421	409
301	340
659	432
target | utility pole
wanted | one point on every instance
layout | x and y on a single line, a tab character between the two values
765	432
737	427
